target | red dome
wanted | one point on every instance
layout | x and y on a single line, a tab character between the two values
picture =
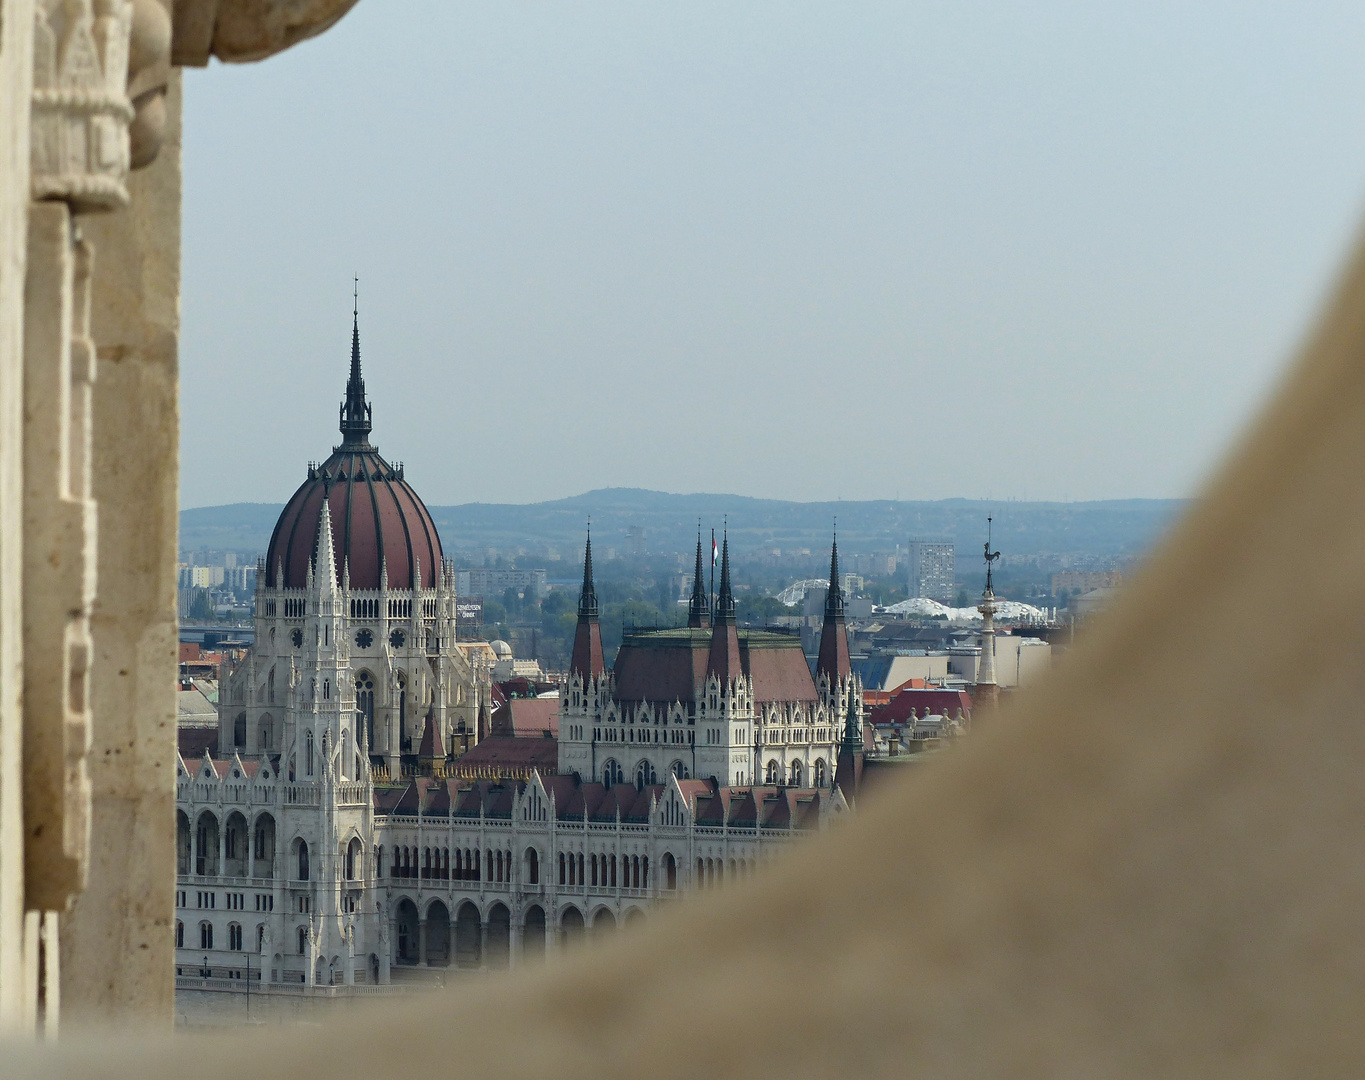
375	514
376	518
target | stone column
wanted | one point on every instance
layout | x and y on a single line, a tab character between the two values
421	942
117	947
16	76
483	944
514	936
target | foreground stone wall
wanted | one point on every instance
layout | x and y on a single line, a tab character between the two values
89	325
116	941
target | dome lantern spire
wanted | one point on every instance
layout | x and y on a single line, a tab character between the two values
355	410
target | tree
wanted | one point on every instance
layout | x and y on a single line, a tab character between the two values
201	606
962	599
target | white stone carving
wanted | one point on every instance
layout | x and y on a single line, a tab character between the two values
81	111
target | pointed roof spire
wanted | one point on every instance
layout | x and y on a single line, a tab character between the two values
431	750
324	554
725	598
588	660
833	659
587	597
699	607
724	659
355	410
834	599
848	774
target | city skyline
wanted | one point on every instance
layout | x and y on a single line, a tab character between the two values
1056	255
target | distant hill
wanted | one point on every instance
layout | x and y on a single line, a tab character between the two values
1117	527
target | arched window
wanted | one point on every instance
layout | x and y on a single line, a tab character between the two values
613	871
239	731
364	704
303	941
179	934
796	774
819	772
270	687
670	871
592	869
235	937
206	935
352	858
644	871
612	773
326	689
679	770
772	774
266	733
206	845
635	872
563	880
303	860
308	754
532	867
644	775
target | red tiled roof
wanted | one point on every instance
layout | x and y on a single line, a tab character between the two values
527	718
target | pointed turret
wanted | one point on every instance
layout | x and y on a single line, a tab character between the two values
699	607
587	660
833	659
431	753
724	660
355	410
848	776
324	554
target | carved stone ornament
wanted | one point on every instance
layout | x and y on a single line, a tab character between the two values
81	111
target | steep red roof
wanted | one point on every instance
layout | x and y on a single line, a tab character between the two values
671	665
431	745
588	659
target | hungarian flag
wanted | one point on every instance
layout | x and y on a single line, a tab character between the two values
715	552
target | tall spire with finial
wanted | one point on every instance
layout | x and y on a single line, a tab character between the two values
834	599
588	659
833	659
699	607
724	661
355	410
587	596
725	599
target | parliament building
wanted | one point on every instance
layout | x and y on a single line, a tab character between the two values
327	841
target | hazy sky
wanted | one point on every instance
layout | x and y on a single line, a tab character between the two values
798	250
